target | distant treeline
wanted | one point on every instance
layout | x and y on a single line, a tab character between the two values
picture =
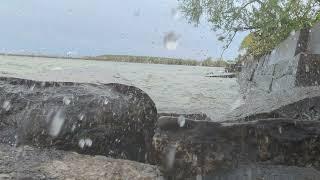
161	60
139	59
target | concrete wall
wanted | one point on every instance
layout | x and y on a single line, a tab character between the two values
294	62
314	40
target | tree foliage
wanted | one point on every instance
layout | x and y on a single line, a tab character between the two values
267	21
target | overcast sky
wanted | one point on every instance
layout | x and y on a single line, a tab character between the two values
96	27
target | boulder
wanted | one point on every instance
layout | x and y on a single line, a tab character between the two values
106	119
31	163
201	147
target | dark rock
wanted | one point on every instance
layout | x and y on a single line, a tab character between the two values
210	147
111	119
262	172
196	117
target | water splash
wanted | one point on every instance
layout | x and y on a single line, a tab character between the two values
56	123
170	40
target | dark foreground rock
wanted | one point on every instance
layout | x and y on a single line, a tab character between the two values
201	148
111	119
264	172
30	163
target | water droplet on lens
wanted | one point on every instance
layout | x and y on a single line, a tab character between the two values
181	121
32	87
170	41
73	127
136	13
170	158
81	116
81	143
88	142
6	105
56	124
307	68
66	101
280	129
175	14
85	143
106	101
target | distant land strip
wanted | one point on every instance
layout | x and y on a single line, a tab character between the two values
136	59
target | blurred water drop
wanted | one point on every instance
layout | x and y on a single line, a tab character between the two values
71	53
181	121
175	14
81	143
85	143
6	105
307	68
88	142
136	13
81	116
170	41
32	87
171	155
280	129
70	11
66	101
73	128
106	101
56	123
56	69
199	177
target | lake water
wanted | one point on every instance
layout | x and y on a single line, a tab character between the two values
179	89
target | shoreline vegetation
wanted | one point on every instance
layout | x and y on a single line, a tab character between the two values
209	62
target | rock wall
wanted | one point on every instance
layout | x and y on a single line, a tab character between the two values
293	63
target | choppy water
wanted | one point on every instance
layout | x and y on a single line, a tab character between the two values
180	89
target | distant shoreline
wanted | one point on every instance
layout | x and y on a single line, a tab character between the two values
133	59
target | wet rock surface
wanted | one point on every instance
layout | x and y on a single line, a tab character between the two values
262	172
31	163
107	119
202	148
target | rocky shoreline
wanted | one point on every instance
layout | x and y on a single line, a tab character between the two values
276	130
181	146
